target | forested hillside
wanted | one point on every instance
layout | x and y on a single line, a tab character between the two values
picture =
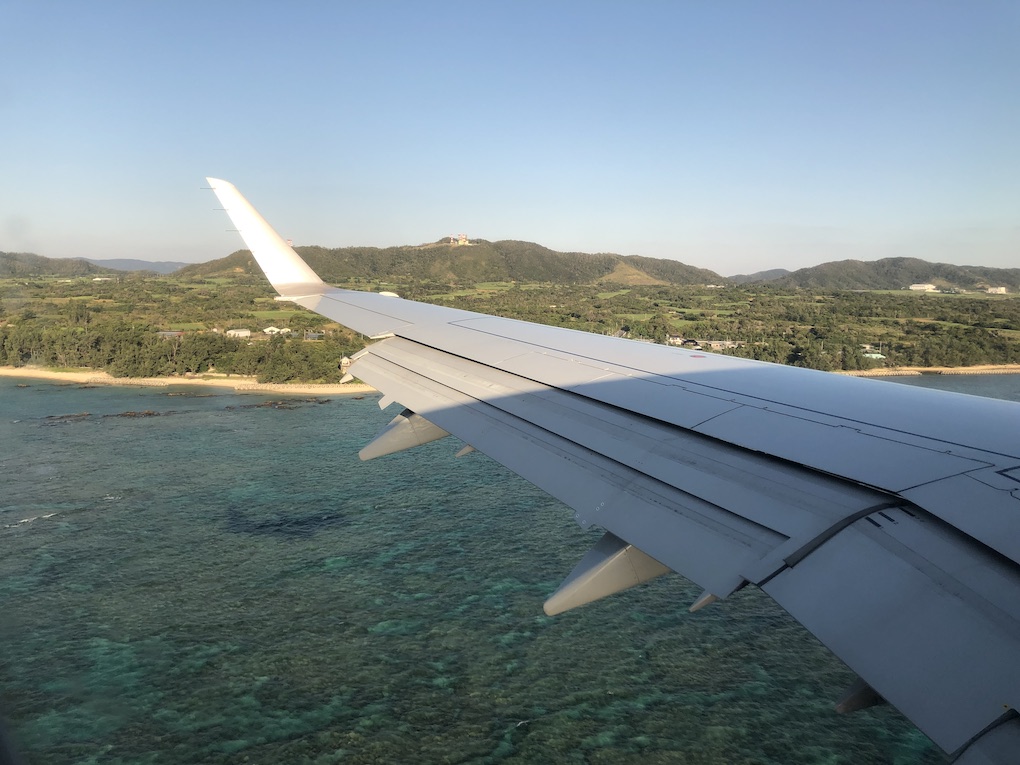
481	261
759	277
133	264
14	264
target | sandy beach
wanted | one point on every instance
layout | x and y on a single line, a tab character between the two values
244	384
237	383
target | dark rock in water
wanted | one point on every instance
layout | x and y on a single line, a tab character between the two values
58	419
146	413
149	413
284	525
287	403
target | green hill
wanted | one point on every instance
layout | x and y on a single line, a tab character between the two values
481	261
759	277
899	273
134	264
15	264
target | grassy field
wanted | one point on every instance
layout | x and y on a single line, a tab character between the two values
278	315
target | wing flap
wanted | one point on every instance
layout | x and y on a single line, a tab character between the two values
883	597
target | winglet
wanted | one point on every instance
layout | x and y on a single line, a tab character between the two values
284	268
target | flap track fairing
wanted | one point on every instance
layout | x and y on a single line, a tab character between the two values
404	431
611	566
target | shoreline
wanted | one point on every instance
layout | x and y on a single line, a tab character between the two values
237	383
977	369
245	384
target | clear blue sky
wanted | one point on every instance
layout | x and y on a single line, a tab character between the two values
735	136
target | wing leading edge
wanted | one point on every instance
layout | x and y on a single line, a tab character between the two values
886	519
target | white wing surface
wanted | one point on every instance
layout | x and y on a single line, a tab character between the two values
884	518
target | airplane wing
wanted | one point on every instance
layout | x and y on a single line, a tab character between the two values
884	518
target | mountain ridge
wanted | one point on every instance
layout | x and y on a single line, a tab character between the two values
23	264
897	273
519	261
481	261
134	264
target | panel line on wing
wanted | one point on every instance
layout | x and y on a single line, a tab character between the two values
426	367
676	529
723	475
624	478
676	364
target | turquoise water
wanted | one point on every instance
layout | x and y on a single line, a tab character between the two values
991	386
216	577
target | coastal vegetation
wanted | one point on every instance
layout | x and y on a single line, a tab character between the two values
145	324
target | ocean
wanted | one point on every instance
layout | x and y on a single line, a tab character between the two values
189	575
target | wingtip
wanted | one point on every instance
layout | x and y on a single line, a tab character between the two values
284	268
218	184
